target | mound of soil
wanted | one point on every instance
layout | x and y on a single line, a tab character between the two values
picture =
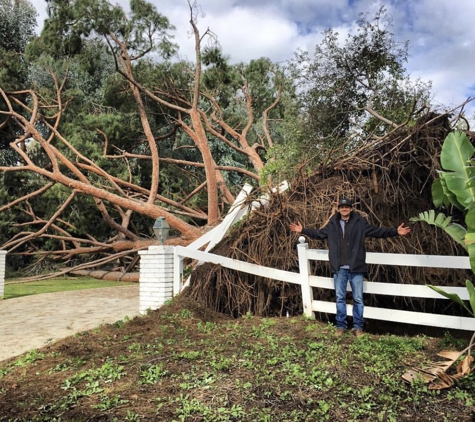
186	362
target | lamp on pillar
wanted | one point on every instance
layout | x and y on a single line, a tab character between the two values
161	228
156	270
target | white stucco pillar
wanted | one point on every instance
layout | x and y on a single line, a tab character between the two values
156	277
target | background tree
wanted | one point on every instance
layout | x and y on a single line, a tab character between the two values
123	136
357	92
17	26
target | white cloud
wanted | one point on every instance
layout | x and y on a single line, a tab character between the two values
440	32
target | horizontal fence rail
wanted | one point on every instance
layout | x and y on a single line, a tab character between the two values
402	260
308	281
398	289
233	264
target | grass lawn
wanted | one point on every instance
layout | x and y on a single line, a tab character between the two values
61	284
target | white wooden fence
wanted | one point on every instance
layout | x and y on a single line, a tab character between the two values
307	281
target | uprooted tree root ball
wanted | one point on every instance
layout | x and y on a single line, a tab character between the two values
389	180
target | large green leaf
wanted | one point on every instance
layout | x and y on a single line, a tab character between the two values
457	184
471	175
455	156
456	151
470	246
451	197
471	292
470	239
452	296
439	197
470	219
454	230
470	169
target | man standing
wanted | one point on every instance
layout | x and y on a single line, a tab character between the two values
345	233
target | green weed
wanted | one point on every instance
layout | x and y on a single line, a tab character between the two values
29	358
151	374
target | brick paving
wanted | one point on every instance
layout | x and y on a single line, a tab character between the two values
31	322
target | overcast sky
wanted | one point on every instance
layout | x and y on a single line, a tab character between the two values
441	33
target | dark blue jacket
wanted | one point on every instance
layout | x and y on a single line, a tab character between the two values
356	230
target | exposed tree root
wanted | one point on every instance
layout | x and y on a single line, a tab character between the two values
389	180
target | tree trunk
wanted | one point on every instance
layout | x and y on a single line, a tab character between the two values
210	166
108	275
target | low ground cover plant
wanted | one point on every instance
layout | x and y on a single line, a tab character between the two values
186	363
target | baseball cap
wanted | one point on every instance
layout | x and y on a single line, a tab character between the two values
345	201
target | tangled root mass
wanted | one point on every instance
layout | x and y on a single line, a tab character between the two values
389	181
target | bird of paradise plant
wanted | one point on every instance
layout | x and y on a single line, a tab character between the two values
455	186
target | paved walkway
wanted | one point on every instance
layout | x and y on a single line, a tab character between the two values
30	322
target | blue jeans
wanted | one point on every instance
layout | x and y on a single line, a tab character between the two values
341	279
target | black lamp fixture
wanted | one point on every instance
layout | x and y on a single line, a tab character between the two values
161	228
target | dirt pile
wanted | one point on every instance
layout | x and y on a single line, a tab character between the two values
184	362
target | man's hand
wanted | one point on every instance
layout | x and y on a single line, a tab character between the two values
403	230
296	227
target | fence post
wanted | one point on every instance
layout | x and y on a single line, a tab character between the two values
156	277
304	270
3	254
177	272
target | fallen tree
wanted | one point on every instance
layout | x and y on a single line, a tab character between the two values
126	162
